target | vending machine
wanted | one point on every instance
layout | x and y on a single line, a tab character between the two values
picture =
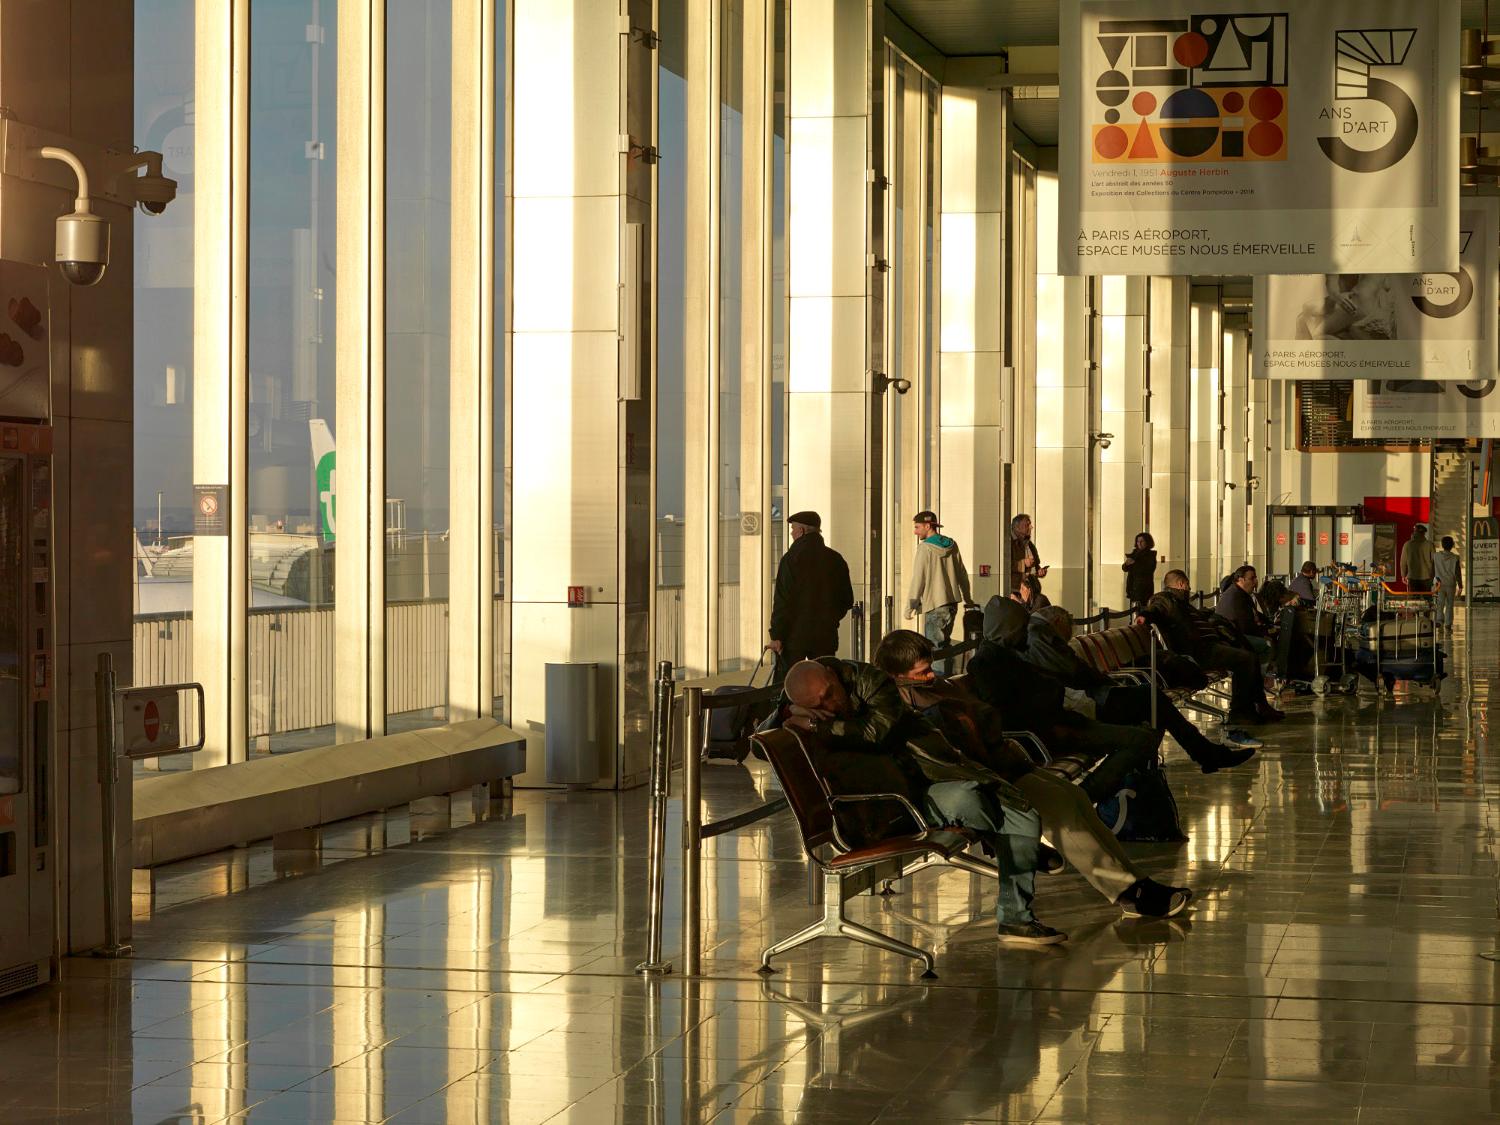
28	860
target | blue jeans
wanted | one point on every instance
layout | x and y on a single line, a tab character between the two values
937	627
1015	837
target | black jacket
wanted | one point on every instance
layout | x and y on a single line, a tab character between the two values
1187	630
970	725
883	746
812	595
1052	654
1240	610
1140	576
1026	697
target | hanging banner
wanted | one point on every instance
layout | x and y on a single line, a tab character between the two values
1411	326
1244	136
1419	409
1484	569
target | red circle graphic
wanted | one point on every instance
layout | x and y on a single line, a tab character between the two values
1190	49
1234	101
1266	103
1144	103
1111	142
1265	139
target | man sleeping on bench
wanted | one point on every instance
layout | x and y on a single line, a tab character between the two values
867	740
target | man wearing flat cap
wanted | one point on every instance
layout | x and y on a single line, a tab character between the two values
812	595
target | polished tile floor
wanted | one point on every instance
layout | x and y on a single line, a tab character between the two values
452	964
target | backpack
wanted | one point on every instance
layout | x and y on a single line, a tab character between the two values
1144	810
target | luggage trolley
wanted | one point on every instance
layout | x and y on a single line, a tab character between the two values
1401	643
1336	620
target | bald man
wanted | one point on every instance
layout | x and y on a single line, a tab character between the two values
866	740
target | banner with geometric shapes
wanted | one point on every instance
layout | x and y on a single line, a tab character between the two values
1251	136
1378	325
1418	409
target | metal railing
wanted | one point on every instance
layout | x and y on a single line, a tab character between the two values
697	706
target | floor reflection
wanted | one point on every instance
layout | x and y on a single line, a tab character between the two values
471	961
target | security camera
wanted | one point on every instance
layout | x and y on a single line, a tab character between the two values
1102	440
82	236
82	247
153	191
901	385
884	381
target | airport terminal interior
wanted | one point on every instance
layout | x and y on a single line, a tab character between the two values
749	561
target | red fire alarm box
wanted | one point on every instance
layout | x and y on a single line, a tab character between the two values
578	596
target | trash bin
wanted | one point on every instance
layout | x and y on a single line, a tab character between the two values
573	727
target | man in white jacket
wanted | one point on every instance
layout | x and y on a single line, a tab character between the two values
939	582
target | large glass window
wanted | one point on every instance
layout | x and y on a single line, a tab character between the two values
291	422
163	502
419	81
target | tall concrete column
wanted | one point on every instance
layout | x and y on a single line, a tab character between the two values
1236	444
1259	452
1064	354
971	335
220	357
577	486
1206	449
359	561
1120	488
834	159
1168	404
471	428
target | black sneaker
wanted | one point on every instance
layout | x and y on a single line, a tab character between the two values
1029	933
1150	899
1225	757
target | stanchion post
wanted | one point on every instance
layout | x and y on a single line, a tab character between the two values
692	829
661	780
109	776
857	620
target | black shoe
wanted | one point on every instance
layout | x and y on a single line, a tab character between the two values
1150	899
1050	861
1029	933
1246	718
1225	757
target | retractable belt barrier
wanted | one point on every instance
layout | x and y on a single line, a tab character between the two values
696	706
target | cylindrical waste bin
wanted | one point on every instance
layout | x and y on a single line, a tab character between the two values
573	727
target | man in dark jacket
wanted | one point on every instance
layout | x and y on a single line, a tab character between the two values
861	727
1047	637
977	731
1032	700
811	597
1237	606
1191	633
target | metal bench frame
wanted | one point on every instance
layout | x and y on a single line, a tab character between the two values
845	877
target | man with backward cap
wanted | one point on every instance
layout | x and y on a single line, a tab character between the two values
811	597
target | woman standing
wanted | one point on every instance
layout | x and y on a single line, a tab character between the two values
1140	570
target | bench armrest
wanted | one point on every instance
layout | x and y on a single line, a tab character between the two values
1036	743
863	798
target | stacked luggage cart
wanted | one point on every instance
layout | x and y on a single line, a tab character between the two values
1374	631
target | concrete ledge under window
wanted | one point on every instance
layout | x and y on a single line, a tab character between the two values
178	815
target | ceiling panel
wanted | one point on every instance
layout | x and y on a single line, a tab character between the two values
985	27
980	27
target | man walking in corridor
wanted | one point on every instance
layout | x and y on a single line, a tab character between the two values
811	597
939	582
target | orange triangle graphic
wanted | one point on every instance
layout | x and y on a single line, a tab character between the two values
1144	147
